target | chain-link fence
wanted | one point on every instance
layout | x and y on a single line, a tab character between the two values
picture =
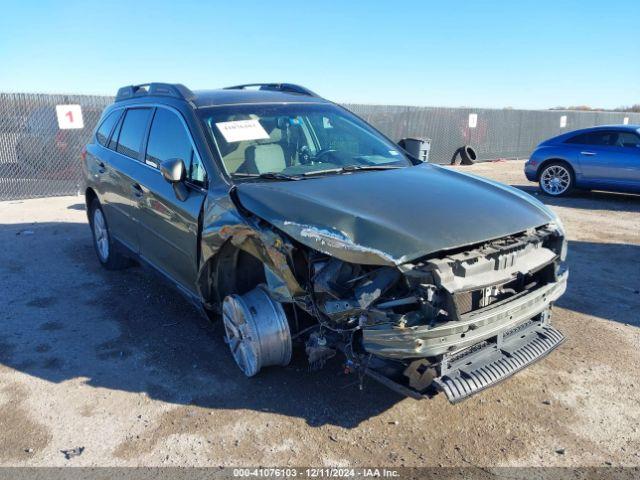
39	159
493	134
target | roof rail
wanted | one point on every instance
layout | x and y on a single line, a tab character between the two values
175	90
279	87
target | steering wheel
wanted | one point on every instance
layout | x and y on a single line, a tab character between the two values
306	157
321	153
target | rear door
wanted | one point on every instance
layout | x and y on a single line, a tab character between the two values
121	165
169	226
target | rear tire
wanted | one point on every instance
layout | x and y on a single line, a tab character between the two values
106	250
556	179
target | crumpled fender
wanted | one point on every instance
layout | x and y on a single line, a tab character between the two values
223	223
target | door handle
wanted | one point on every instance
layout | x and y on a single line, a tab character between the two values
101	167
588	154
137	190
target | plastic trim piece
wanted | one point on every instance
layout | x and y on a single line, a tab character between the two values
155	90
279	87
462	383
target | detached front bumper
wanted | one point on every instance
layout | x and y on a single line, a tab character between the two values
485	347
425	341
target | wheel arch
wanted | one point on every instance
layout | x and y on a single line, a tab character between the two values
89	196
230	270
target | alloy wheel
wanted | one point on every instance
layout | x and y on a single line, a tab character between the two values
555	180
239	337
101	234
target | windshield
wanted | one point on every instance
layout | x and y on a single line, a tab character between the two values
296	139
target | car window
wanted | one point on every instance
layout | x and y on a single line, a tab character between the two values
168	139
627	140
102	135
196	172
578	139
296	139
344	138
132	131
113	143
600	138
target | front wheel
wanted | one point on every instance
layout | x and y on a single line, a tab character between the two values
556	179
109	257
256	330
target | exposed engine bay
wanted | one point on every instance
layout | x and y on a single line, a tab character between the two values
457	321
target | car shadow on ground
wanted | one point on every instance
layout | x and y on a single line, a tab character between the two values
604	281
587	200
77	206
67	318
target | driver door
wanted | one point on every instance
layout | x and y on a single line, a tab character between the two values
607	160
169	226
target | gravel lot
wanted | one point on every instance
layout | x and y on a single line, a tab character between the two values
120	364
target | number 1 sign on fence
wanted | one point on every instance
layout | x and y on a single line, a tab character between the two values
69	116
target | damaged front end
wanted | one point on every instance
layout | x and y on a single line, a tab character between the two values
456	322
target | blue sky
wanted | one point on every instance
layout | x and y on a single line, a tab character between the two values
524	54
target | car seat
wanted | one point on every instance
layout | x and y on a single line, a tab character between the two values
265	155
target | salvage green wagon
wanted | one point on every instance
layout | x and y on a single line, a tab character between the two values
299	223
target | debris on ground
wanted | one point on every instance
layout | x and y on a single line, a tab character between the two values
73	452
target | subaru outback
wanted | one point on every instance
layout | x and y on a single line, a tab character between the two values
299	224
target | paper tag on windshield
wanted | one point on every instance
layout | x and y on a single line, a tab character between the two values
242	130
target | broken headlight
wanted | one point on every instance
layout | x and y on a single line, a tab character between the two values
559	226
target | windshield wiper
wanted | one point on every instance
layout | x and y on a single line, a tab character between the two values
284	176
322	172
267	175
352	168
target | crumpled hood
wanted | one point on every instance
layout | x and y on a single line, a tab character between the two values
393	216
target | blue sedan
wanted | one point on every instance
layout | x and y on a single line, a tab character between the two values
597	158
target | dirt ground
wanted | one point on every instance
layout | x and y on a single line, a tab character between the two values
119	364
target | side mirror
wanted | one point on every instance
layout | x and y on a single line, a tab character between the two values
173	170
